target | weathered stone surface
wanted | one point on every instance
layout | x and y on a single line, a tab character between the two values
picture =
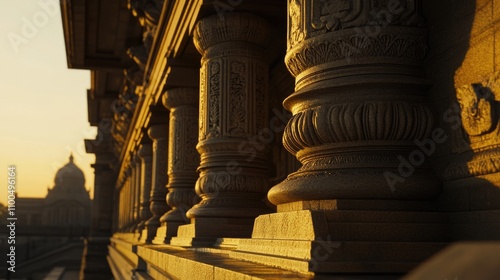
299	225
461	261
205	265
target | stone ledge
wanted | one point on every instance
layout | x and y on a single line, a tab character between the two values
205	265
171	262
336	257
121	266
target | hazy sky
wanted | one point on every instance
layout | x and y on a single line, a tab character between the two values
43	107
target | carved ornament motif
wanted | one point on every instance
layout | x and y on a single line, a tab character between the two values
480	139
368	121
479	104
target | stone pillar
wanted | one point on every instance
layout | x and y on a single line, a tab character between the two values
131	196
121	207
118	208
234	175
359	108
101	207
158	205
183	159
145	153
125	197
137	180
94	264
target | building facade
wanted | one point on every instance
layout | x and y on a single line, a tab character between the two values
299	138
67	203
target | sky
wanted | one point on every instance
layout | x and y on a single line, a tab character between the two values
43	104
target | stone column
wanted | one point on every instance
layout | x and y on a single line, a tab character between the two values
94	264
121	207
137	180
125	206
118	207
183	159
359	110
101	207
145	153
129	197
233	115
158	205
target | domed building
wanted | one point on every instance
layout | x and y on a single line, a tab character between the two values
68	202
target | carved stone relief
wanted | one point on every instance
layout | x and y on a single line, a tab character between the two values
479	136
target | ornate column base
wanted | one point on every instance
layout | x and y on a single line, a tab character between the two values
335	236
165	233
148	234
201	231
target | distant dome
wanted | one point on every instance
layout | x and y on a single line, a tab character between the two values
69	186
70	177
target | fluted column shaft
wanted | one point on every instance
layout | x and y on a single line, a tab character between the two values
233	111
359	102
158	205
145	154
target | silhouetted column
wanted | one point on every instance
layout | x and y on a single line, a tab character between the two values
145	153
234	175
158	206
101	206
94	264
183	159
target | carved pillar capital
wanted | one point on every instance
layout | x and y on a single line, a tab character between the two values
145	151
236	27
158	132
174	98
